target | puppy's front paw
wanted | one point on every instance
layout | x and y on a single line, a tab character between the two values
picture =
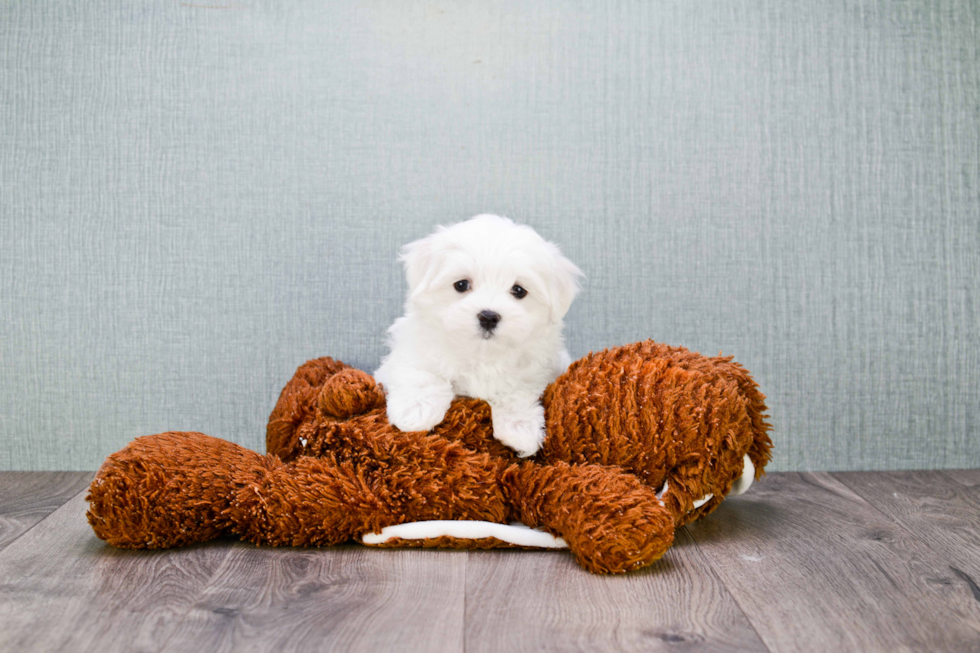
523	432
410	411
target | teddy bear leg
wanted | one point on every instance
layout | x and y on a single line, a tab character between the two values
327	500
309	502
167	490
611	521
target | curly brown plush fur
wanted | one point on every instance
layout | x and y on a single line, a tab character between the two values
621	424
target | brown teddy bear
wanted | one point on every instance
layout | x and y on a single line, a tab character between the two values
640	439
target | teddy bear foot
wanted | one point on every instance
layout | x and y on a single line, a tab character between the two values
611	521
167	490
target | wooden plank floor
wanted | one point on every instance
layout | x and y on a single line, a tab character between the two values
884	561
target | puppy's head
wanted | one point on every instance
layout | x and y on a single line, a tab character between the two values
488	279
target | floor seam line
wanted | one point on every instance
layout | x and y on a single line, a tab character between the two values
192	604
889	518
466	587
727	589
41	521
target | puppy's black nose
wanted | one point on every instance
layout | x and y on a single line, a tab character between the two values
488	320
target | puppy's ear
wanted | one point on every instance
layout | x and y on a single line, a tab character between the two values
419	260
563	284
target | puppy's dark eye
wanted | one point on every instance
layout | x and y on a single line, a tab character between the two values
518	292
462	285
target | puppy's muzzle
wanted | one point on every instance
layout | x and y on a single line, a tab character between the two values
488	322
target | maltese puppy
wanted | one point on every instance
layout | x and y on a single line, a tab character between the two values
486	298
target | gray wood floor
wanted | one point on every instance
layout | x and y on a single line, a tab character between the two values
803	562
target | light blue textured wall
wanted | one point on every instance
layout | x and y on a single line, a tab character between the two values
197	197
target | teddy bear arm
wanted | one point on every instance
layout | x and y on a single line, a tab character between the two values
611	521
174	489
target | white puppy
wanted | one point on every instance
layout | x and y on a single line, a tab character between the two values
486	298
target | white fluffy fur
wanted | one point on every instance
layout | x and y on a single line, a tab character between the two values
439	350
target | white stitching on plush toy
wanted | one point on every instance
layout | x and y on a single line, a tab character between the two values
516	533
